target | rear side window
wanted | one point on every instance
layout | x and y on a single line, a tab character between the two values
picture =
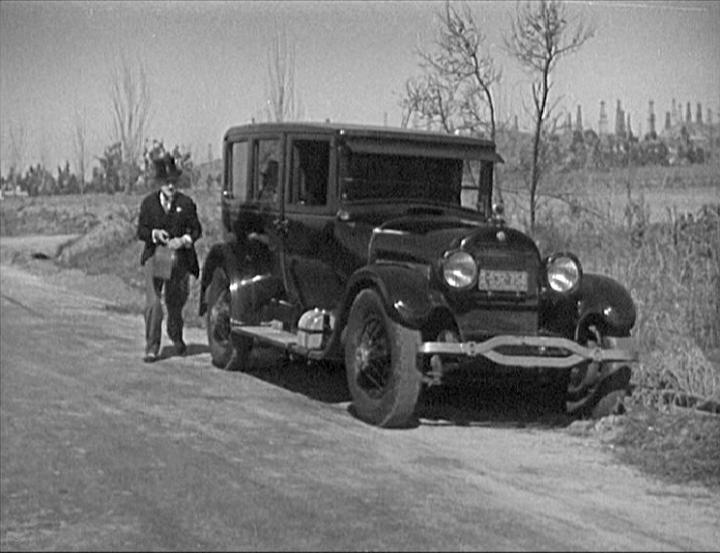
310	172
266	171
238	182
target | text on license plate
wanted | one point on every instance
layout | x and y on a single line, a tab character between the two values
502	281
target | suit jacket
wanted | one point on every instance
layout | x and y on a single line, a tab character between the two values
181	219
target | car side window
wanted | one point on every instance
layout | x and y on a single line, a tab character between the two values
310	162
266	170
239	170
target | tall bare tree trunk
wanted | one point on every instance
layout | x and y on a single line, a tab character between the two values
80	146
282	101
538	40
131	104
17	145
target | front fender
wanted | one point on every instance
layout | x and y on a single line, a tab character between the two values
404	289
599	299
603	299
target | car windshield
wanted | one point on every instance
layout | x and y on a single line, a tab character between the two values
390	177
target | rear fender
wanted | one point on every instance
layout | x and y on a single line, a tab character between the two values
224	256
247	269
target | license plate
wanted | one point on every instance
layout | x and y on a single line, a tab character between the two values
502	281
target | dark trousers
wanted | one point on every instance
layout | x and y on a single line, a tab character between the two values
176	294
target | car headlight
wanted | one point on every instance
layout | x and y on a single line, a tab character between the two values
563	272
459	269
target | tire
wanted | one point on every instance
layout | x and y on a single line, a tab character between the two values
227	351
606	397
610	404
381	364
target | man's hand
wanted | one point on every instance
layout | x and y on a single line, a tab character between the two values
183	241
176	243
160	236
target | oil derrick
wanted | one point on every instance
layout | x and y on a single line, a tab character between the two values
603	123
578	120
620	131
651	120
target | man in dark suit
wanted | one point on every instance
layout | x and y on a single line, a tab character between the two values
168	219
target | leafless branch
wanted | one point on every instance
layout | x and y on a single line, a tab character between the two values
462	73
540	35
282	102
131	105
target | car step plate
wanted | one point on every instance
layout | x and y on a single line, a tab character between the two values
263	333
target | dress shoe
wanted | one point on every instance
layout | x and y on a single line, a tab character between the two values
151	357
180	348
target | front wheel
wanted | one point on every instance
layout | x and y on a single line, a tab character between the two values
604	398
381	364
227	351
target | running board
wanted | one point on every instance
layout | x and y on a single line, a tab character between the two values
278	338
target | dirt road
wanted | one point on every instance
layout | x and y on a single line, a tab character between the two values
101	451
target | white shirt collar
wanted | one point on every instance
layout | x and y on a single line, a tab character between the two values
164	202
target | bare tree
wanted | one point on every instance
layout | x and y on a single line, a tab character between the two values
433	100
17	145
80	146
456	89
131	103
540	36
282	102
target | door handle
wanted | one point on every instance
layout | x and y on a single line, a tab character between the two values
281	225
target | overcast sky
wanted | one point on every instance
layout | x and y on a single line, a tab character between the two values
207	63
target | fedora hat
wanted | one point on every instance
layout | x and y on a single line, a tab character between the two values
165	169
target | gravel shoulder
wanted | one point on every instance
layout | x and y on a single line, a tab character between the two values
37	255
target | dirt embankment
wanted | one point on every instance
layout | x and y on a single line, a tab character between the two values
101	244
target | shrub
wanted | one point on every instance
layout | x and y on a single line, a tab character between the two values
672	270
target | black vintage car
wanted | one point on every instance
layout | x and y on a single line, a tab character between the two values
381	248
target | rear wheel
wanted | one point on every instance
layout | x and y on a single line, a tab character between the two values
381	364
228	351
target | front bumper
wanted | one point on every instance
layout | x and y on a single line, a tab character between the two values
537	351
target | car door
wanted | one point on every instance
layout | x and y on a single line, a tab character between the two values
309	209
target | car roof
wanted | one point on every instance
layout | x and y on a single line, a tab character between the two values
359	131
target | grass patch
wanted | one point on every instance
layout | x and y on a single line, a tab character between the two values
677	445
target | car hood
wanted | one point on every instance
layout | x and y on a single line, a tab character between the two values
425	240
